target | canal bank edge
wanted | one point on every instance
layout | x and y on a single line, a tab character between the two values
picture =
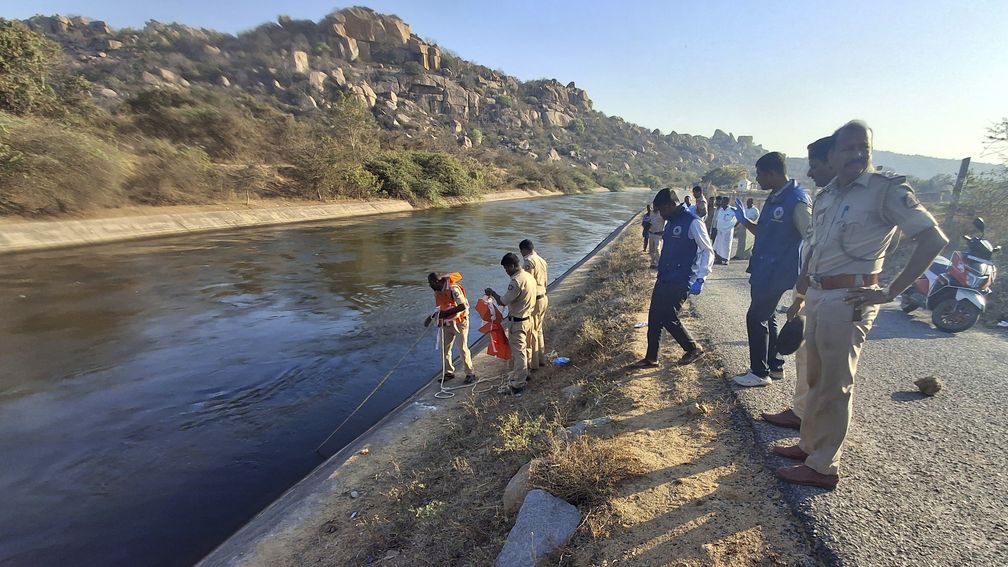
308	497
43	235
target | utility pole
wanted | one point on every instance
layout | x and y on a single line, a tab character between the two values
956	192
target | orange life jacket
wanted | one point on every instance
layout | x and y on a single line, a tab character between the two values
445	301
491	313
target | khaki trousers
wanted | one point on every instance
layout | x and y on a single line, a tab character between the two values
451	332
833	346
654	247
801	382
519	333
537	342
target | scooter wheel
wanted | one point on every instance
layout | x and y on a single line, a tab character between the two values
954	316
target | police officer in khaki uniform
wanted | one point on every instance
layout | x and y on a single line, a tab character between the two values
520	300
821	172
537	266
655	231
854	222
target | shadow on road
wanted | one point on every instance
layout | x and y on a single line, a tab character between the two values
907	396
895	325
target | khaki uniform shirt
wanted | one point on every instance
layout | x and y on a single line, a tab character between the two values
537	266
521	295
852	227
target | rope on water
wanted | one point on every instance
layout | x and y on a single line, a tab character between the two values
376	388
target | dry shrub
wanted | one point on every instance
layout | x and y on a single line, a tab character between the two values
171	175
48	168
587	470
591	332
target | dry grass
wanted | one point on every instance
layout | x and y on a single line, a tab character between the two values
587	470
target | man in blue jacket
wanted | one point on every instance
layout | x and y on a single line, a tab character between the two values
774	264
686	259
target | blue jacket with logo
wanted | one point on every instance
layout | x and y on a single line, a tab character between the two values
774	263
679	251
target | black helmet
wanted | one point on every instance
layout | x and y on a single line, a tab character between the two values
791	335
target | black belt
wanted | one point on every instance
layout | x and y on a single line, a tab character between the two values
538	297
518	318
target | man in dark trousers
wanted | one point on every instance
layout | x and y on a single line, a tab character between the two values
774	264
686	259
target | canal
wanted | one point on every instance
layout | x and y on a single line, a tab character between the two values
155	395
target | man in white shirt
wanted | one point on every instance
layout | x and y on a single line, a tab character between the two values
724	222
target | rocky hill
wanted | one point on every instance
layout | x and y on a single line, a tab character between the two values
418	92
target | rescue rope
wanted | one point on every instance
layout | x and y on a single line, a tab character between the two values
447	392
376	388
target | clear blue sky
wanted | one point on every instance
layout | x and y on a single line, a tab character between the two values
929	76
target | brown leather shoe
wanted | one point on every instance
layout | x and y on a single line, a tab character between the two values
802	474
786	418
790	452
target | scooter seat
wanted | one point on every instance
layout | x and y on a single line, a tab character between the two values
940	265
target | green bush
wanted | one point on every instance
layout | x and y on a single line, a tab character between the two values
612	183
429	177
26	63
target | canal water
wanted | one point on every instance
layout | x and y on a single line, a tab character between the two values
155	395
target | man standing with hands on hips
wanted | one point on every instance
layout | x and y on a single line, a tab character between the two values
855	221
686	259
774	264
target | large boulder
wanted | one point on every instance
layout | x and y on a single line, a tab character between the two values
347	48
364	24
517	488
545	523
338	76
300	61
316	80
556	118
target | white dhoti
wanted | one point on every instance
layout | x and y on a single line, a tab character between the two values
723	242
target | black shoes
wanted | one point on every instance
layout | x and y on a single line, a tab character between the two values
692	356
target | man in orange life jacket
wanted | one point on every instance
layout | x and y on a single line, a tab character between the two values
453	320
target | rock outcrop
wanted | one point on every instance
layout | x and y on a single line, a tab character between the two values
304	65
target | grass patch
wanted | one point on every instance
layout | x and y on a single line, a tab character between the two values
587	470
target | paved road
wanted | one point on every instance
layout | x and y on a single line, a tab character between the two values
924	480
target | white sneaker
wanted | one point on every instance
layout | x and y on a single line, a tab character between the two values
777	374
751	380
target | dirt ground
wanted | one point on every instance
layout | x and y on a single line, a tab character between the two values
694	491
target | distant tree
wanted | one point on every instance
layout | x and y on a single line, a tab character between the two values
726	175
27	64
352	123
577	126
651	181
